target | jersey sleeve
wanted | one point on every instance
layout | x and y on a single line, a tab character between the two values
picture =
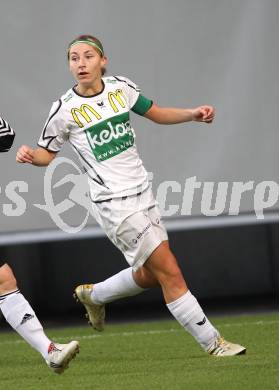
137	102
142	105
7	136
55	132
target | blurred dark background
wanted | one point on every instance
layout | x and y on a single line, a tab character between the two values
230	269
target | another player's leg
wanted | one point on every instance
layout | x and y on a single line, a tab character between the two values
22	318
184	306
124	284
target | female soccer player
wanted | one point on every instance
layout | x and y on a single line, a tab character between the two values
17	310
94	116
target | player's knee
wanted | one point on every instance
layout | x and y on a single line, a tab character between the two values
7	280
171	275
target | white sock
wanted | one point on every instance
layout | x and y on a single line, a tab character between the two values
20	315
118	286
190	315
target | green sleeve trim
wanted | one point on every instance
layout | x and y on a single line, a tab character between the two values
142	105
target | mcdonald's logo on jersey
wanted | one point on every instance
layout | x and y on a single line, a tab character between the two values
83	112
116	96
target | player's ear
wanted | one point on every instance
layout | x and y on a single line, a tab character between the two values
104	60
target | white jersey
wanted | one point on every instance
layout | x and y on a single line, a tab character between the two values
99	130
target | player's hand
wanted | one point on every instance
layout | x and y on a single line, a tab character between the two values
203	114
25	155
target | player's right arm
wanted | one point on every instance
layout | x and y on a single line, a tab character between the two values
39	156
51	140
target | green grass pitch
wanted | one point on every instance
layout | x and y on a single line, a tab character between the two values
149	356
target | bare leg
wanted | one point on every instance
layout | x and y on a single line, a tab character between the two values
7	280
162	266
182	304
144	278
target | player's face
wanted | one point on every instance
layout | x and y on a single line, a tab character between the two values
86	63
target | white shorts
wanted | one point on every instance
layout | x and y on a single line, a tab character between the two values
133	225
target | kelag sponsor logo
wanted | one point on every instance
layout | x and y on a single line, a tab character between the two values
109	138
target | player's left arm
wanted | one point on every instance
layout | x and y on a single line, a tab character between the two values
170	116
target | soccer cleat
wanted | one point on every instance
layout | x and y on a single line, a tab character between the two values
60	355
224	348
95	313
